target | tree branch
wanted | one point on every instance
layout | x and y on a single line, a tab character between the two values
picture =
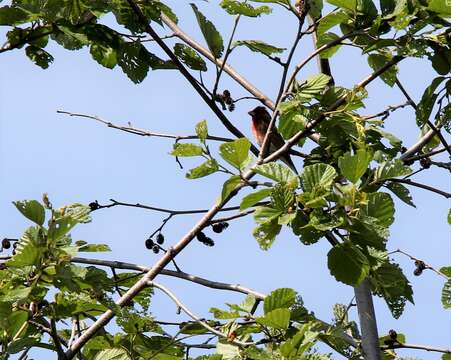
422	186
418	347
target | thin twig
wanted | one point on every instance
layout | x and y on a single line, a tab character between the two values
422	186
194	317
418	347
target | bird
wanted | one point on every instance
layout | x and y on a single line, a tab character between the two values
259	126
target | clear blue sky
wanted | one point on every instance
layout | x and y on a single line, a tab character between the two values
78	160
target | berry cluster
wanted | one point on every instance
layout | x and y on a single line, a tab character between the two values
155	245
419	267
94	205
226	100
204	239
426	162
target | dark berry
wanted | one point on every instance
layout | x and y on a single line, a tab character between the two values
425	163
149	244
219	227
201	236
160	239
393	334
94	206
418	271
403	149
6	244
208	242
408	162
420	264
156	249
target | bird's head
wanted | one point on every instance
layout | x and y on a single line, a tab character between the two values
259	112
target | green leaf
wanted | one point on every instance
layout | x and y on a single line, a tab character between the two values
60	227
291	120
207	168
276	319
32	210
265	214
313	86
104	55
314	8
28	251
278	172
449	216
330	20
186	150
401	192
325	39
441	7
391	169
236	152
446	295
377	61
265	234
389	282
446	270
427	102
259	46
229	186
348	264
211	35
279	298
346	4
92	247
113	354
13	16
39	56
234	7
253	198
189	57
354	166
202	130
227	351
317	175
381	207
15	321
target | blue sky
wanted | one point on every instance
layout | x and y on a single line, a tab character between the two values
79	160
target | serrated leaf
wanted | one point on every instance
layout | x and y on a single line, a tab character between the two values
211	35
186	150
236	152
348	264
253	198
317	175
27	251
354	166
259	46
234	7
207	168
381	207
401	192
190	57
279	298
265	214
113	354
313	86
278	172
32	210
391	169
276	319
377	61
60	227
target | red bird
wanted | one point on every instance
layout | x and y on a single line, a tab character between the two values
260	123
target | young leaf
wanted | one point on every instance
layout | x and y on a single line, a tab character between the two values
391	169
278	172
259	46
202	130
185	150
348	264
277	319
266	214
381	207
330	20
32	210
265	234
253	198
234	7
189	57
317	175
211	35
354	166
279	298
312	87
207	168
229	186
236	153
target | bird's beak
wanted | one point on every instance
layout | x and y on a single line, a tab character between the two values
251	113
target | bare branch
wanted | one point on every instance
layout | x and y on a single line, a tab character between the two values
422	186
418	347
